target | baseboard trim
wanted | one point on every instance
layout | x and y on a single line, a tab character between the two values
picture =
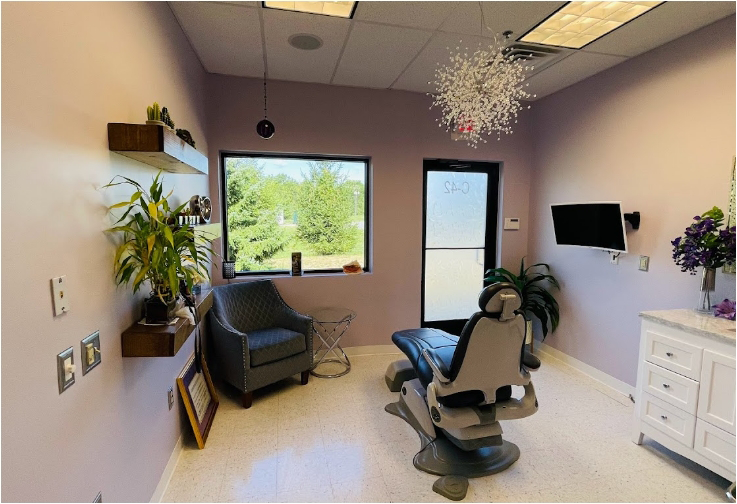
617	385
168	472
371	350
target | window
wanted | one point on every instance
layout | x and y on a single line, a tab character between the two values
279	204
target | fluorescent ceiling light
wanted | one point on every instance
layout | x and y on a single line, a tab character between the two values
577	24
336	9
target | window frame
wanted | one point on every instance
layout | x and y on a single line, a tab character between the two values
289	155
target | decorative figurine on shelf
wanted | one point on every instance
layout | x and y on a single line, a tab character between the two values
704	244
166	118
186	136
153	113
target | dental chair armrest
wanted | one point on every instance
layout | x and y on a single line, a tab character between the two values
439	369
530	361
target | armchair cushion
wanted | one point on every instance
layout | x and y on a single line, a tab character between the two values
273	344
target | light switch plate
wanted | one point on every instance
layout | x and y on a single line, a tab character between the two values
64	382
94	340
511	223
644	263
60	295
170	397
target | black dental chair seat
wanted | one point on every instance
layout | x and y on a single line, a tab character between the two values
413	341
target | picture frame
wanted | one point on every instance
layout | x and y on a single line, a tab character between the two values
296	263
200	399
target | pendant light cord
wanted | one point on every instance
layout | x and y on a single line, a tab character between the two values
265	95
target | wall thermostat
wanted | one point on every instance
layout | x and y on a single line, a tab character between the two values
511	223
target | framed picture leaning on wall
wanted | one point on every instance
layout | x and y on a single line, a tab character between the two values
200	399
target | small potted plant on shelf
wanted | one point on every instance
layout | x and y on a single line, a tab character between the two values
153	112
537	301
155	249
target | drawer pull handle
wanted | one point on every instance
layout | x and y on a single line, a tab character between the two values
664	417
669	354
665	385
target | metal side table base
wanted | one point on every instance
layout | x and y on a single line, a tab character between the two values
330	325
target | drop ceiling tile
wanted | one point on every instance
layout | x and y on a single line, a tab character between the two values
375	54
498	17
438	51
574	68
241	4
288	63
664	23
423	15
226	38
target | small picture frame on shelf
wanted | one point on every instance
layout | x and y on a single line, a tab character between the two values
296	263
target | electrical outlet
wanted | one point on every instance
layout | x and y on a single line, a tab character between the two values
60	295
614	257
65	369
170	397
91	356
644	263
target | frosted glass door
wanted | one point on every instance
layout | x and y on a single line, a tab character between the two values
455	243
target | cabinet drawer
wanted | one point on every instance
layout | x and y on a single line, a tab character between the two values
673	354
668	419
715	444
671	387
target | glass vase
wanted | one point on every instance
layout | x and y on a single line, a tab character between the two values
708	279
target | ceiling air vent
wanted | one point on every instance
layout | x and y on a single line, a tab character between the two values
538	56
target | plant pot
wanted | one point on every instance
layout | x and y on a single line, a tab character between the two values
156	123
158	312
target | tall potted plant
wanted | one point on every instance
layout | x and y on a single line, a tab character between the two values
704	244
537	301
155	249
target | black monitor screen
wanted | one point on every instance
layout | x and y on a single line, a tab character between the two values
597	225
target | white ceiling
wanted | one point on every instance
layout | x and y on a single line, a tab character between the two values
397	45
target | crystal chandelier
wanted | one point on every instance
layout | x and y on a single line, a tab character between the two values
479	94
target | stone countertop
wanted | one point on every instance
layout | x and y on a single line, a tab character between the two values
703	324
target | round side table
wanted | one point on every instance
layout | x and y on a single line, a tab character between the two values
330	324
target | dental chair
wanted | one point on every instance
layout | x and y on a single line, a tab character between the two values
454	390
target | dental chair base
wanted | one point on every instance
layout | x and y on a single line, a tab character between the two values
440	453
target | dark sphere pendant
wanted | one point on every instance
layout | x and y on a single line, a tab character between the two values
265	129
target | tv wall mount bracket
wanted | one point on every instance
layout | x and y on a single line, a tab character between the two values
633	218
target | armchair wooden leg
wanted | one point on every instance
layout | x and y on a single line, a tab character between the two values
247	399
305	377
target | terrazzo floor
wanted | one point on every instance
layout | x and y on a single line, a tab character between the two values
332	441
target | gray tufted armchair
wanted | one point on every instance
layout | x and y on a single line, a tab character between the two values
257	339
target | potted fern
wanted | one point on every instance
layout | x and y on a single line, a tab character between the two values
155	249
537	301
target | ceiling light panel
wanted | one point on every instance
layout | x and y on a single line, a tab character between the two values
337	9
577	24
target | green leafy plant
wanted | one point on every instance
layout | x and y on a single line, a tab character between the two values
153	247
537	301
153	112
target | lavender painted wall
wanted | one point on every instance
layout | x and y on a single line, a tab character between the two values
397	131
69	69
658	133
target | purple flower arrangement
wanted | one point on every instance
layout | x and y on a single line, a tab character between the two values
725	309
704	244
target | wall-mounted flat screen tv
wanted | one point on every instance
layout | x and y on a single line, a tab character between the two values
597	225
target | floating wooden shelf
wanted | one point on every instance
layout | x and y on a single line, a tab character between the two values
157	146
163	341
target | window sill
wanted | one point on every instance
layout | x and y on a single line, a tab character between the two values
267	276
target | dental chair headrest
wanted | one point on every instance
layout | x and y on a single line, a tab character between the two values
492	299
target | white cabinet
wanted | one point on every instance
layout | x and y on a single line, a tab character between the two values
717	397
686	387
